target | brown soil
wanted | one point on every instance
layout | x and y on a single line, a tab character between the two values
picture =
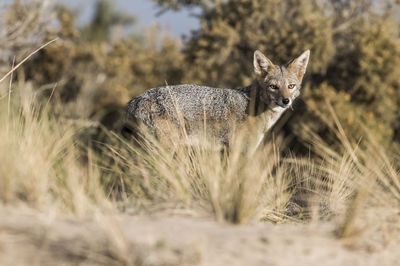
31	239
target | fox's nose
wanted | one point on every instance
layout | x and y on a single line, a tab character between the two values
285	100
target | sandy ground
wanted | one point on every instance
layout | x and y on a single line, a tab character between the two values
31	239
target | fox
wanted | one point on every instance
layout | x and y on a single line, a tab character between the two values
222	111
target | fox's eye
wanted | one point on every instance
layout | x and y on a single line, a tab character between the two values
291	86
273	87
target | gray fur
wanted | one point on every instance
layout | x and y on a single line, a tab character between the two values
222	110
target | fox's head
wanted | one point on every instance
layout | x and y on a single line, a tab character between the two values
280	85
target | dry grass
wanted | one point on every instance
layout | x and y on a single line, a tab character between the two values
237	185
41	163
45	165
243	185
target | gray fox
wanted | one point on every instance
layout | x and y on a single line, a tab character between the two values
221	111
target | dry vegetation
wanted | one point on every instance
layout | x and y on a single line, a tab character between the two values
69	200
73	191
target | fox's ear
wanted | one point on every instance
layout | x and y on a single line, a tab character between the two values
299	65
262	65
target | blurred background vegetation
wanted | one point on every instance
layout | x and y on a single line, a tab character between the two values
95	68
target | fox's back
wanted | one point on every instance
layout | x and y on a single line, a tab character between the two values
191	102
195	105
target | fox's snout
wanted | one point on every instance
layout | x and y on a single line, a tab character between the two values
285	94
286	101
